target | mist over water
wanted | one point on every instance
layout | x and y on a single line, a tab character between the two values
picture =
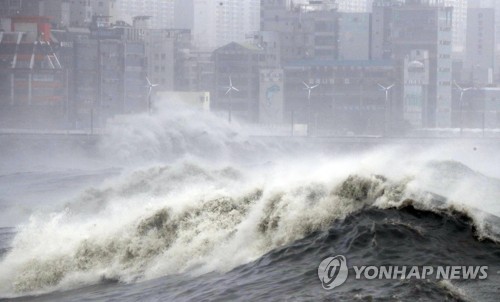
190	194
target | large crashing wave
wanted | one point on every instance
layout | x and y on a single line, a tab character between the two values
191	218
175	132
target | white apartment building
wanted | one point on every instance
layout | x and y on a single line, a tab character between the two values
160	11
355	6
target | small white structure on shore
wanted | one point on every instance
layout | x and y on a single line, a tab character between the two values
199	100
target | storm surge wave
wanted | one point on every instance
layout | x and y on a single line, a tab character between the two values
195	219
197	201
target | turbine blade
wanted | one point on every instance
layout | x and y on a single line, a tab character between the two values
149	82
230	82
390	86
381	86
307	86
236	89
314	86
228	91
458	86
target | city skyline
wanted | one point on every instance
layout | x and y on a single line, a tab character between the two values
105	61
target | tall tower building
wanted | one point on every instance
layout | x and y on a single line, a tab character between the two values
459	23
80	13
408	32
217	23
426	25
381	29
105	8
480	51
494	5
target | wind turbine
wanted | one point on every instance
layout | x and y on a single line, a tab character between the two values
386	89
150	87
229	91
462	91
309	89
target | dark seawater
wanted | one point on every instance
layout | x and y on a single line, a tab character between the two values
371	236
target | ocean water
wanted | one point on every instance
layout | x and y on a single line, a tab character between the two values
186	207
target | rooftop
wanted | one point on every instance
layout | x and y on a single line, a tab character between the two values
339	63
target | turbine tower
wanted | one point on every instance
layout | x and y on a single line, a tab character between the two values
229	91
309	89
462	91
386	116
150	87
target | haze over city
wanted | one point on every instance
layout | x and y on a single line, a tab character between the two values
74	65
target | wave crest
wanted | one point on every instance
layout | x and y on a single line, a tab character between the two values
189	218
